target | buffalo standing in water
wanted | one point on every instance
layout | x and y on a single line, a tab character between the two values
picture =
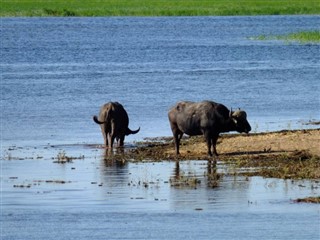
113	120
205	118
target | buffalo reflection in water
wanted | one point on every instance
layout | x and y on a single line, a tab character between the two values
187	179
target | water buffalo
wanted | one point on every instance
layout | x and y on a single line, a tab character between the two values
205	118
113	120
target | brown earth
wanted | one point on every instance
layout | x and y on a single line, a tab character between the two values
237	144
275	142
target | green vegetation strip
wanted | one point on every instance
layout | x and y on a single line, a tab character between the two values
156	7
296	165
302	37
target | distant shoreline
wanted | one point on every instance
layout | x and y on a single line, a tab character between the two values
43	8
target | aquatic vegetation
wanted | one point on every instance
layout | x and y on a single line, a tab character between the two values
63	158
22	186
308	200
156	8
296	165
302	37
185	180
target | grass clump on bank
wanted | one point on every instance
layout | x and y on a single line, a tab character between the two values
302	37
296	165
156	7
308	200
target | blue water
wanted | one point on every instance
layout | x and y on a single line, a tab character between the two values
105	200
57	72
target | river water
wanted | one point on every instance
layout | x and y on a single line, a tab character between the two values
57	72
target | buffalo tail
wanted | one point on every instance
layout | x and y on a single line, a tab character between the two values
128	132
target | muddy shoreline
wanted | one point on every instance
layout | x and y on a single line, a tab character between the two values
287	154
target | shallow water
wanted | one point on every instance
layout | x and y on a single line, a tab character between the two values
147	200
55	74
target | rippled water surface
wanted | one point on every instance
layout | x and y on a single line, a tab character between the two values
57	72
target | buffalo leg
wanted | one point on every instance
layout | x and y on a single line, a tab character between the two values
106	140
214	144
209	142
177	135
109	140
105	137
121	141
112	141
209	146
112	135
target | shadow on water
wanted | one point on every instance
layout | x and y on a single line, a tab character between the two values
114	171
111	156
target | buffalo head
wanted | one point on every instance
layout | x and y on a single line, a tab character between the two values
239	117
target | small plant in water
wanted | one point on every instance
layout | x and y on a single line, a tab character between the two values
63	158
8	156
289	125
185	180
256	127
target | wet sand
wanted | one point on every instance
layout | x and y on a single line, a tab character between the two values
229	145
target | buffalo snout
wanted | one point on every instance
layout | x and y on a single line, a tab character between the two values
248	128
243	126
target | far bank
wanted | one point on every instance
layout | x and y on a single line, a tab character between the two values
41	8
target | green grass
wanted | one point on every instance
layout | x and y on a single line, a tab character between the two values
302	37
156	7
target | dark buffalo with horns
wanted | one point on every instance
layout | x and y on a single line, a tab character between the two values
114	121
205	118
